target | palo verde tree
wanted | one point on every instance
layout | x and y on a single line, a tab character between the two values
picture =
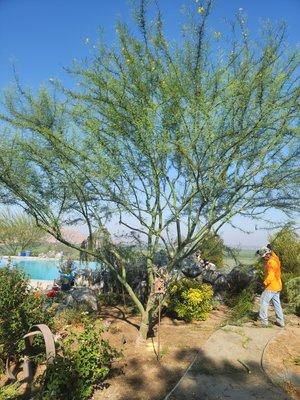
172	140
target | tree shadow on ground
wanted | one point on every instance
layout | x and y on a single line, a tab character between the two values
115	312
25	384
144	379
205	380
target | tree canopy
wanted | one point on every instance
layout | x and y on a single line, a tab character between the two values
18	232
286	244
171	139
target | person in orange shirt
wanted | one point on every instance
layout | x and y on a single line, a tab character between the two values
273	285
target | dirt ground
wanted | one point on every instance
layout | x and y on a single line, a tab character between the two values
139	375
281	359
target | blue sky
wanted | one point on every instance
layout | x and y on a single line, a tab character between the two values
42	36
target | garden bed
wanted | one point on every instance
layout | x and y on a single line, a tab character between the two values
139	375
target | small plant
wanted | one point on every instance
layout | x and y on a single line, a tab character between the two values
77	315
241	305
293	293
164	351
297	360
114	329
66	267
110	299
20	308
83	363
190	300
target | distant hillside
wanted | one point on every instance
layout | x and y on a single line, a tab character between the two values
71	234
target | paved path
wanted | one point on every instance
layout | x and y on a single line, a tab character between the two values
229	367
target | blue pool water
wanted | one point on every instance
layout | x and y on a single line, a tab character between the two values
45	269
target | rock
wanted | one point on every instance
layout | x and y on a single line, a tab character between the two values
190	268
90	278
68	301
239	279
81	281
218	297
192	271
83	295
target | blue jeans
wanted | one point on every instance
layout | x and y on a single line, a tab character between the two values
265	299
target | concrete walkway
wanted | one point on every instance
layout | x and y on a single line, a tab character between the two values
229	367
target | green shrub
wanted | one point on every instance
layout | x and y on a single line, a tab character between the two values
286	245
76	315
293	293
66	267
286	277
242	304
212	248
110	299
83	362
190	300
9	392
20	308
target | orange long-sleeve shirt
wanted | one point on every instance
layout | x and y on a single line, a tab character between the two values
272	280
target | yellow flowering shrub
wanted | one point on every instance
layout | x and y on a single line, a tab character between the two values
190	300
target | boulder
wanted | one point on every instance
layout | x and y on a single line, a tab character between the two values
238	279
192	271
94	279
83	295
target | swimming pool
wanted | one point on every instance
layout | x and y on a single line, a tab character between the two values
44	269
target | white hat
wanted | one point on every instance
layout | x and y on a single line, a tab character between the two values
263	251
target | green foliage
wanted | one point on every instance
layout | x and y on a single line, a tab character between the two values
169	136
286	244
9	392
18	232
297	360
242	304
75	315
190	300
84	362
285	278
110	299
66	267
212	248
293	293
20	308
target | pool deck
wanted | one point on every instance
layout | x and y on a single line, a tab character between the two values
31	258
41	284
